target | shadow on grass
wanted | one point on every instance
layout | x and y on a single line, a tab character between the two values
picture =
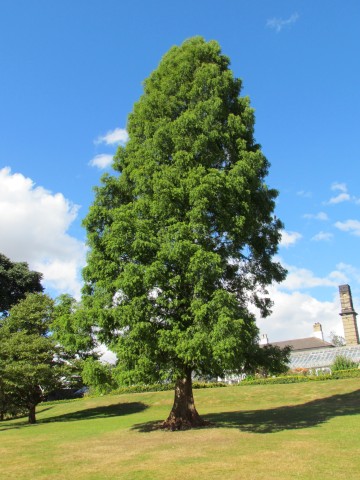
116	410
148	426
274	420
290	417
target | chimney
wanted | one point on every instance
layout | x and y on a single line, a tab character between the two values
264	339
317	332
348	316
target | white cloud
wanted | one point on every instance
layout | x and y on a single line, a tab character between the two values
106	355
349	270
279	23
289	238
316	216
295	313
302	278
342	197
322	236
339	186
114	137
34	226
352	226
101	161
303	193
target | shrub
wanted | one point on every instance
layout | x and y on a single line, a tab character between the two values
343	363
352	373
274	380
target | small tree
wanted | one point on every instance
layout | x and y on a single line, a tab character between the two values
181	242
28	371
28	363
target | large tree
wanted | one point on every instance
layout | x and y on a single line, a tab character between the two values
182	238
16	280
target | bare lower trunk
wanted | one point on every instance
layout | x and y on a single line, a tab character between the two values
183	414
32	417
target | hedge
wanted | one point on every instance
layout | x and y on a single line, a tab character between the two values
158	387
353	373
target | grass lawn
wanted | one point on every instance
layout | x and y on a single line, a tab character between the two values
296	431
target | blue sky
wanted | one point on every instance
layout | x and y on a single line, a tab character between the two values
71	71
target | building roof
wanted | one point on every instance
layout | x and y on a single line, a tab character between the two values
303	344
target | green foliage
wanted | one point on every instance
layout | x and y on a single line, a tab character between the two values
27	368
269	360
351	373
71	327
16	280
98	376
156	387
182	237
342	362
32	315
275	380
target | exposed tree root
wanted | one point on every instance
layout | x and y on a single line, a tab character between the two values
174	424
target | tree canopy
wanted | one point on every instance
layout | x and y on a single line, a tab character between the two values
182	236
16	280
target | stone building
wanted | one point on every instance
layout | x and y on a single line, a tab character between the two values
314	352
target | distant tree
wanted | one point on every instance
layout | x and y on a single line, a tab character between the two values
182	240
16	280
271	360
337	340
28	356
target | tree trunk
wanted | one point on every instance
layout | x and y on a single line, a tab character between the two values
183	414
32	417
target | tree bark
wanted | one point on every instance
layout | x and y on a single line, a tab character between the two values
32	416
183	414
